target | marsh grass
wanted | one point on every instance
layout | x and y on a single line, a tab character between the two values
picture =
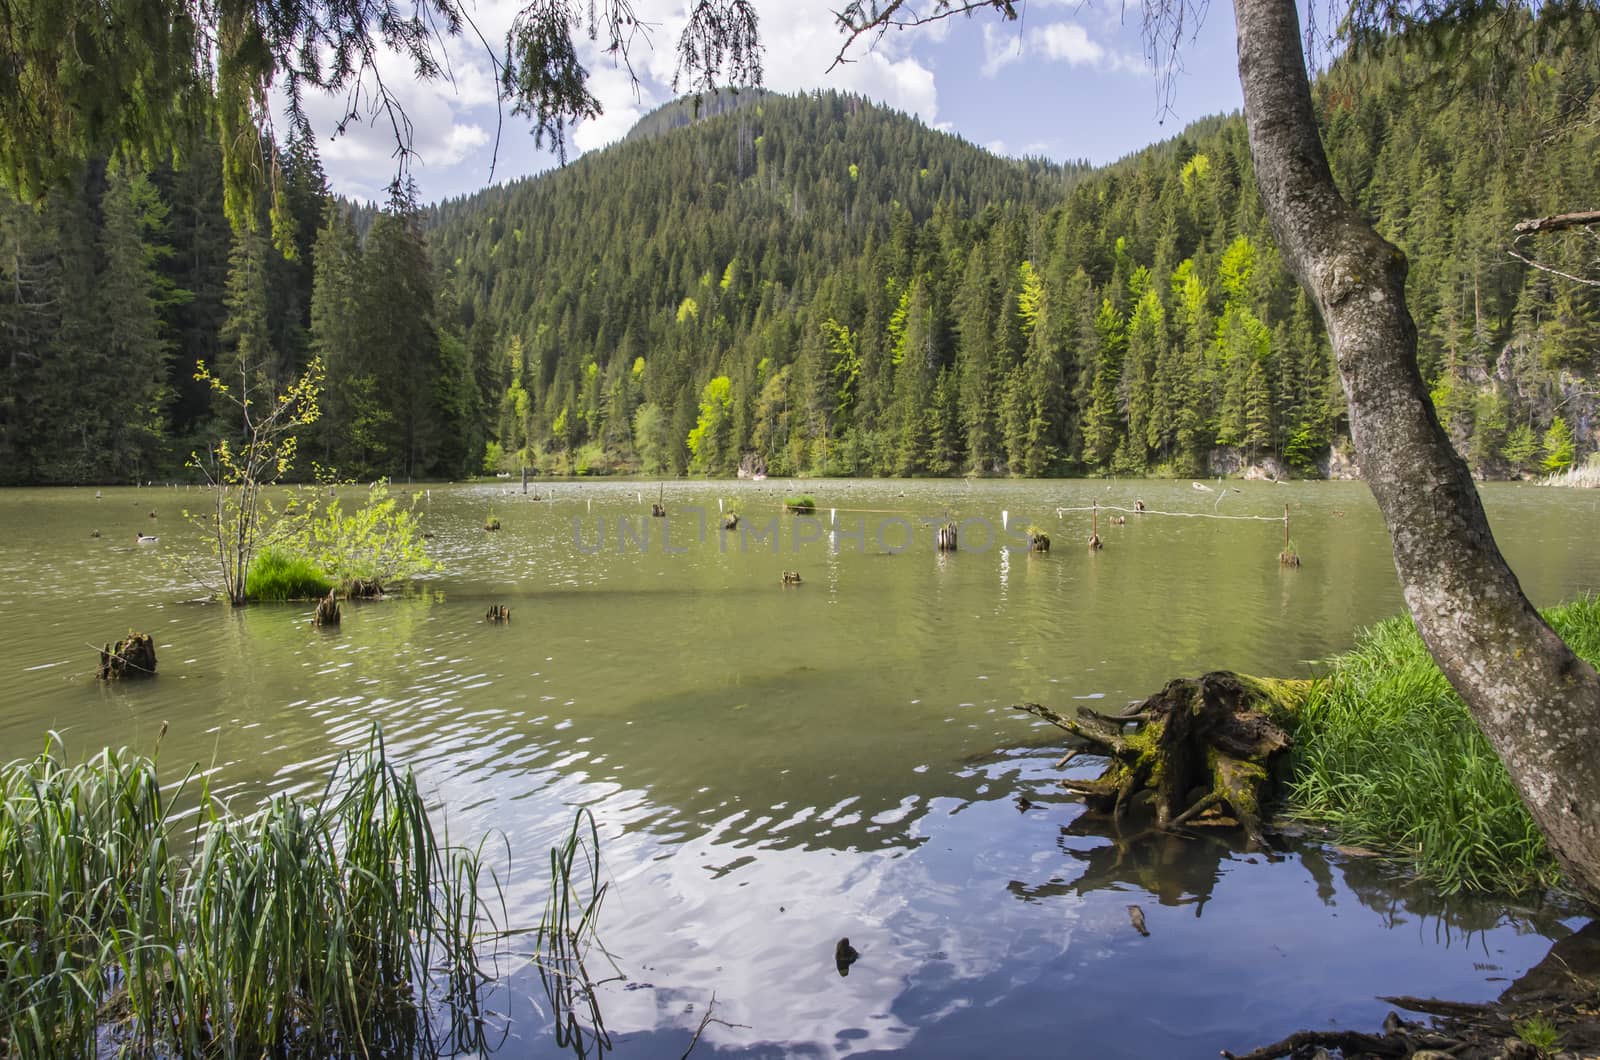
1388	757
277	574
804	504
338	925
566	938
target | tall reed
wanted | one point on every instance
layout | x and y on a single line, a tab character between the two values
1388	756
339	925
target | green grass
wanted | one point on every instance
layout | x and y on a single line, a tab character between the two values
337	925
1388	757
277	575
801	505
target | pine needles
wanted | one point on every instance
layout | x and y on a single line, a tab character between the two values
333	926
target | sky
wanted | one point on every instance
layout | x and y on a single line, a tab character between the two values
1069	80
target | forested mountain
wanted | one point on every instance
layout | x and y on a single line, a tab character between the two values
829	285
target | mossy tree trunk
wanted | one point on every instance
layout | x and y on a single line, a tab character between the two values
1199	744
1536	701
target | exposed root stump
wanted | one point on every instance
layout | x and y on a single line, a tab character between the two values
327	613
133	656
1200	744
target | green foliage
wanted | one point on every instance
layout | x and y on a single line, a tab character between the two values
1387	755
276	574
803	504
1522	448
310	927
378	543
709	441
1559	447
271	418
936	313
1539	1032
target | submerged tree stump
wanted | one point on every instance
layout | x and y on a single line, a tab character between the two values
730	521
945	538
791	577
658	511
327	612
1038	541
363	589
1200	744
132	656
498	613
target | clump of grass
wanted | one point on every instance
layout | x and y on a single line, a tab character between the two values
331	926
1538	1031
1387	755
804	504
277	574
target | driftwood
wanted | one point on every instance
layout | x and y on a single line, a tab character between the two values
327	612
133	656
1200	745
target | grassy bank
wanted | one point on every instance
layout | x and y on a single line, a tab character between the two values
1387	756
330	926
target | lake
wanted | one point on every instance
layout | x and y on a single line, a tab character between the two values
774	767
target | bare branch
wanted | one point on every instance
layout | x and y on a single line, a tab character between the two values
1551	269
1557	222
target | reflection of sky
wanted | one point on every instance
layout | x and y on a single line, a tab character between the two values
773	769
954	964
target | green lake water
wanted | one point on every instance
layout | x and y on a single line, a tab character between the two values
776	767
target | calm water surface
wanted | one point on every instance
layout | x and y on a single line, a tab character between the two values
774	768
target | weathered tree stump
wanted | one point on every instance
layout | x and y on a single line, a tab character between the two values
491	523
1200	745
1095	544
730	521
1039	541
362	589
658	511
327	612
791	577
498	613
944	538
132	656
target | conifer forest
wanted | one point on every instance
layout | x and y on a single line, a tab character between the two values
818	285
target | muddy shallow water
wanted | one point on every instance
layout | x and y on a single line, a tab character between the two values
773	768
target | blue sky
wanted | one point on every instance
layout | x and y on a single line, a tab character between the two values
1069	80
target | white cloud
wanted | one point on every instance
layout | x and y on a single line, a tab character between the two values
1069	41
1066	42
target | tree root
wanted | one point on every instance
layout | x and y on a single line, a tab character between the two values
1200	745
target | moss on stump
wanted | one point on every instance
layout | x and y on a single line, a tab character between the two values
1202	744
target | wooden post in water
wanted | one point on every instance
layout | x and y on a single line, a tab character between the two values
524	478
1288	557
659	509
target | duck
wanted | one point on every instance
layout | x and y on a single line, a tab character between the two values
147	539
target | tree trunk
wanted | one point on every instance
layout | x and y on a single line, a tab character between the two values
1537	703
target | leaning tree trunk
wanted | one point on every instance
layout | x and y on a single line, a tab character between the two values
1537	703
